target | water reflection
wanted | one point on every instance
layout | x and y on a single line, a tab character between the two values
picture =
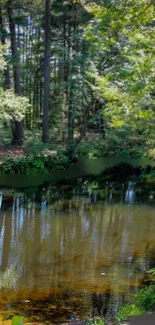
79	255
130	193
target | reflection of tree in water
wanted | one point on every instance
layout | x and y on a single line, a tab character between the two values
146	279
8	274
72	242
8	278
6	215
100	303
107	304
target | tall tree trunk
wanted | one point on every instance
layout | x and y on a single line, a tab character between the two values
6	239
70	95
7	83
46	70
18	134
71	100
2	33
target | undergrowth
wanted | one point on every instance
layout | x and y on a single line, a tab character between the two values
96	321
34	165
144	302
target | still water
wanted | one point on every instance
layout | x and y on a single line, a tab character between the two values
80	254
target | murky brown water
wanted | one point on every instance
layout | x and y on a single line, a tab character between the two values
76	256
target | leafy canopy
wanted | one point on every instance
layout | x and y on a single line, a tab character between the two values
123	35
12	106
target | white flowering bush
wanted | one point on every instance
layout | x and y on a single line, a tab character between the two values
2	61
12	106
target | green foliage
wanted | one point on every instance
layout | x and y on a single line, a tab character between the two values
144	302
35	147
117	143
150	275
5	135
7	315
151	153
30	191
16	320
84	148
2	61
146	299
33	165
128	311
151	272
108	74
122	76
95	321
12	106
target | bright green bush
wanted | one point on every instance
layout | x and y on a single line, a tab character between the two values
128	311
144	302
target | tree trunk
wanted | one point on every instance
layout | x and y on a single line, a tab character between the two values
71	100
46	71
2	33
70	96
18	134
7	84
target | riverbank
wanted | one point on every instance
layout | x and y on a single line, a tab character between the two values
23	172
27	322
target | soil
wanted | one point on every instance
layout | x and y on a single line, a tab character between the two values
11	151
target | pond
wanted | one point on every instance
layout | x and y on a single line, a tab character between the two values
67	251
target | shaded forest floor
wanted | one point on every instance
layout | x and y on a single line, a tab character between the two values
11	151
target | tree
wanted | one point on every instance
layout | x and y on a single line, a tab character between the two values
3	41
18	130
12	106
46	70
85	67
122	41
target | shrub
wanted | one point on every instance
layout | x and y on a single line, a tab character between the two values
34	165
146	299
144	302
128	311
96	321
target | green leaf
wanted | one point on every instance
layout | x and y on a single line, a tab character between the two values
8	314
17	320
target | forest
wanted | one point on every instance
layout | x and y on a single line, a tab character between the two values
77	77
77	115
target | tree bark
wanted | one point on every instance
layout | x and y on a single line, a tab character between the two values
7	83
18	134
70	96
46	71
71	100
3	41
